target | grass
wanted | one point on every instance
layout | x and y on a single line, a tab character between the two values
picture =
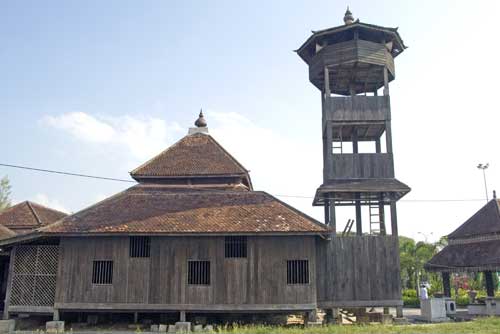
479	326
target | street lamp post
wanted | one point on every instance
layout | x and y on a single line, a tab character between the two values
483	168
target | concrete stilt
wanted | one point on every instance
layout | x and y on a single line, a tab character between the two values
136	317
182	316
399	311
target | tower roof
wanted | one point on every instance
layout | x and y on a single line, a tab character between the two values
196	156
27	215
344	32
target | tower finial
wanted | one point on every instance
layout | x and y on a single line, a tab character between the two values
348	18
201	122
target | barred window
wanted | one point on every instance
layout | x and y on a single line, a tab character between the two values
102	272
297	272
199	272
140	246
235	247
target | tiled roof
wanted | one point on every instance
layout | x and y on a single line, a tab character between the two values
193	156
474	256
484	222
159	209
25	216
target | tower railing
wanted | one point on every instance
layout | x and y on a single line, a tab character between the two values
356	108
361	166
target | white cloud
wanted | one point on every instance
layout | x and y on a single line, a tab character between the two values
143	137
83	126
52	203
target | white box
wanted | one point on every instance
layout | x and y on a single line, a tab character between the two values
433	310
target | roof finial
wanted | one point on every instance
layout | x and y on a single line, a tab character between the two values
348	18
201	122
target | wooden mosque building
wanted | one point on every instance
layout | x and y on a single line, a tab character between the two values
193	236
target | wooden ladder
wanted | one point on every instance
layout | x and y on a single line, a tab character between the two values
348	227
375	221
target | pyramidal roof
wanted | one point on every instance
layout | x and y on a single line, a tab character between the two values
27	215
197	155
485	221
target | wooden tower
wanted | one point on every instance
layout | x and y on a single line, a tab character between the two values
350	64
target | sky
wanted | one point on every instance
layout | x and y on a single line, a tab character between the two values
99	87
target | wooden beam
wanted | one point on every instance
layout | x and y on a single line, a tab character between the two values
446	284
381	211
394	219
360	303
9	283
386	82
327	211
490	289
359	222
327	83
49	310
211	308
333	218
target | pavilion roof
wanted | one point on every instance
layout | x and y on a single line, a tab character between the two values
28	215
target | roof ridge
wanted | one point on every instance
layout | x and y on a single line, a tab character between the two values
69	216
34	213
46	207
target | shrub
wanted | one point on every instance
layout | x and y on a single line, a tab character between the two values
409	293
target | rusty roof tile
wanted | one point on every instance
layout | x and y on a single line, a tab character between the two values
153	209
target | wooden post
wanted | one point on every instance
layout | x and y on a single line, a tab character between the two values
182	316
388	136
355	146
6	304
327	211
394	219
386	81
328	163
359	223
333	220
381	212
490	289
327	83
446	284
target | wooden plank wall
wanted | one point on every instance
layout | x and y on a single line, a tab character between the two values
358	269
357	108
362	165
350	52
162	279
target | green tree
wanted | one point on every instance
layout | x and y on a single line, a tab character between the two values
413	256
4	193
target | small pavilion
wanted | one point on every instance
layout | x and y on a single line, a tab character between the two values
472	247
